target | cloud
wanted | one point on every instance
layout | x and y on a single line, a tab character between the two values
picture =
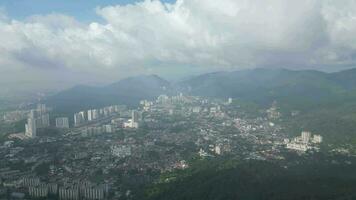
152	37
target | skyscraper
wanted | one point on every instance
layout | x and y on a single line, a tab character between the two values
135	116
306	136
31	129
90	116
79	118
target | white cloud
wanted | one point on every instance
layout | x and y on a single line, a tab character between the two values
206	35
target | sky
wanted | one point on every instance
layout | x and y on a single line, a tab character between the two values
47	44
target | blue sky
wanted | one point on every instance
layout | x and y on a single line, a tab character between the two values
83	10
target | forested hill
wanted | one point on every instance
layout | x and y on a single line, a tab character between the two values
263	86
311	178
128	91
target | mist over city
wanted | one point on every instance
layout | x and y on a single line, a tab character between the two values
178	99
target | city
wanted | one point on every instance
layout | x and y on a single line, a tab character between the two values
104	147
177	100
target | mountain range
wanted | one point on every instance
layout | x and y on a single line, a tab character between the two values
297	89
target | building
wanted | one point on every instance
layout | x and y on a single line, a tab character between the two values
94	193
41	116
79	118
130	124
196	109
90	115
40	191
135	115
52	188
297	147
95	114
41	108
305	136
31	128
37	118
317	139
30	182
134	121
218	150
43	121
162	99
62	122
68	193
229	101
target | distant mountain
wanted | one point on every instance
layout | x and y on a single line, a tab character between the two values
303	89
266	85
128	91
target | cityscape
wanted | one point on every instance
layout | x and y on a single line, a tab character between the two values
177	100
78	160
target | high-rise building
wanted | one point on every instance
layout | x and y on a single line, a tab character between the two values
62	122
69	193
305	136
95	114
95	193
79	118
31	128
44	118
229	101
82	114
40	191
90	116
135	116
37	118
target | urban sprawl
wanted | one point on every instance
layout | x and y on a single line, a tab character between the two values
98	153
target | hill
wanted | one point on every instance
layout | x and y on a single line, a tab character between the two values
128	91
312	178
263	86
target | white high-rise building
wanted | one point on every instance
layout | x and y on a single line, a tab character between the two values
38	118
82	114
230	101
62	122
31	129
305	136
79	118
90	116
95	114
